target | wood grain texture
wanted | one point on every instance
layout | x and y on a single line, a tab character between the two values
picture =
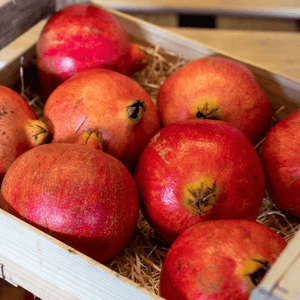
267	8
19	15
53	270
278	51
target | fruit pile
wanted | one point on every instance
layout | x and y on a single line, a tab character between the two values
149	163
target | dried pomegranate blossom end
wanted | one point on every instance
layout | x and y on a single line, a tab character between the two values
202	198
38	131
255	269
136	109
90	139
208	109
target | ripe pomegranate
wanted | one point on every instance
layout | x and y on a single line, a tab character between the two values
281	161
80	37
196	170
104	101
20	129
216	88
219	259
82	196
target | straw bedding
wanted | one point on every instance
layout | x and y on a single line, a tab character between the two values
142	258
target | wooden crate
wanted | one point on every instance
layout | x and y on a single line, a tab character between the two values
52	270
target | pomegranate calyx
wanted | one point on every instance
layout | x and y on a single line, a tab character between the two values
201	198
136	109
207	108
38	131
138	58
91	139
208	113
255	269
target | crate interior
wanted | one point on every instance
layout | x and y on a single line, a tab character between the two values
141	260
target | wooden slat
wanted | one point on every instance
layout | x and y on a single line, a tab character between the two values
17	16
53	270
258	8
271	50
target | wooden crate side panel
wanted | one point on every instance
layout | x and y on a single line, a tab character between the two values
19	15
53	270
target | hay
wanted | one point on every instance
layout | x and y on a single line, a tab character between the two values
141	260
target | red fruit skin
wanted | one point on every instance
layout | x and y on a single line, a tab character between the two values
207	260
14	139
218	84
191	151
281	161
95	100
30	296
77	194
80	37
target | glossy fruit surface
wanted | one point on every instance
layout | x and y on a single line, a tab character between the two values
219	259
77	194
105	101
216	88
196	170
80	37
20	129
281	160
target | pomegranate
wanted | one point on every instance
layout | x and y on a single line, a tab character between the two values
103	101
216	88
281	161
219	259
82	196
20	129
80	37
196	170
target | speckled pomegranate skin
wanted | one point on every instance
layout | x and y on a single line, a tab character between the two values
207	261
79	195
184	155
281	161
221	89
80	37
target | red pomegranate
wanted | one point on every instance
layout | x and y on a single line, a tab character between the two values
79	195
104	101
281	160
196	170
20	129
219	259
80	37
216	88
